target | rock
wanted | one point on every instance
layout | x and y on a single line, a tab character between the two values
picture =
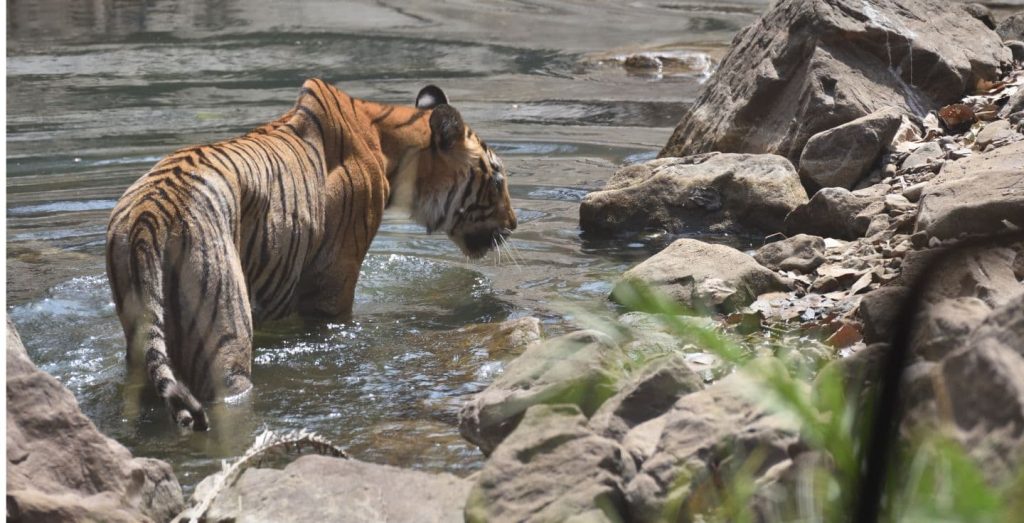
984	388
552	468
1012	27
878	309
699	191
321	488
802	253
975	195
833	213
61	468
982	13
704	276
498	338
651	394
1016	48
700	431
845	154
943	327
1014	105
929	153
581	368
985	273
807	66
993	132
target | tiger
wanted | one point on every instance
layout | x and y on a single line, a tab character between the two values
216	239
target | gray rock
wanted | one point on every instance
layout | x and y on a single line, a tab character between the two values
975	195
807	66
699	191
943	327
651	394
877	310
581	368
834	212
929	153
61	468
1016	48
984	388
321	488
704	276
982	13
699	432
1012	27
1014	105
552	468
993	132
845	154
801	253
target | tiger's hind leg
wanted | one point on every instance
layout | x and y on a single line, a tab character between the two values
210	319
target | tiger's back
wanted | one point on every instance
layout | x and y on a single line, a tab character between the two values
217	238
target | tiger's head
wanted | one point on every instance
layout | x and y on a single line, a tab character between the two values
461	185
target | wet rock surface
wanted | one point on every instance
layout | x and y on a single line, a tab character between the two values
717	191
61	468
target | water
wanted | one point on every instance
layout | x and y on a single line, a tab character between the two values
98	91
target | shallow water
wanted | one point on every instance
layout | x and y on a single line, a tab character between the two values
99	91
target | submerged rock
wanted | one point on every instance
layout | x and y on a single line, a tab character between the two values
713	190
807	66
704	276
321	488
61	468
552	468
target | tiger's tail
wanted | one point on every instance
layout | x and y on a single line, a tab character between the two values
146	284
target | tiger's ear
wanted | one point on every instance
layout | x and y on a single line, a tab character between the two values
446	127
430	97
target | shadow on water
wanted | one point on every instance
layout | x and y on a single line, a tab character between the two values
99	91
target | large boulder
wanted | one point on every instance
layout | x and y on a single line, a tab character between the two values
843	155
807	66
696	436
552	468
322	488
703	276
61	468
582	368
975	195
676	194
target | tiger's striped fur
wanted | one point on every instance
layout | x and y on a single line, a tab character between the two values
217	238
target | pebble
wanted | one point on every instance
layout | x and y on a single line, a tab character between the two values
993	132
